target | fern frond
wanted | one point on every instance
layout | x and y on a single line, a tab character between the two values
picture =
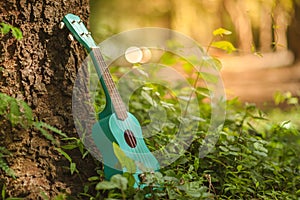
3	165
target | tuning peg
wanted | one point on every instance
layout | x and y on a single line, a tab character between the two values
61	25
70	37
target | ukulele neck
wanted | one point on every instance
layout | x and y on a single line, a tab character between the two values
108	83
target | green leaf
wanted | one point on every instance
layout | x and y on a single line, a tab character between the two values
194	60
168	59
188	68
60	196
94	178
167	105
14	113
106	185
17	33
224	45
223	148
257	184
125	161
27	111
239	168
139	195
147	88
263	154
3	191
51	128
217	63
46	134
203	91
6	168
69	146
258	146
173	44
210	78
64	154
120	181
130	178
5	28
72	167
221	32
116	181
196	163
141	71
149	98
293	101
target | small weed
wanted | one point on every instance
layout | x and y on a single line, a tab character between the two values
6	28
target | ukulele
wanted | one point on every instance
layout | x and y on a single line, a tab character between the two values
116	125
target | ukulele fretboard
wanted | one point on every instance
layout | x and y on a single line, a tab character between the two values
104	73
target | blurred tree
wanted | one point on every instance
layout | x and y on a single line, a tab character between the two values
265	25
257	24
283	12
197	19
109	17
294	31
237	10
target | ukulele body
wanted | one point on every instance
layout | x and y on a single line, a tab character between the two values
110	129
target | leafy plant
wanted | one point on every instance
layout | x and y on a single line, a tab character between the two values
254	157
60	196
286	97
3	195
222	44
6	28
3	165
17	112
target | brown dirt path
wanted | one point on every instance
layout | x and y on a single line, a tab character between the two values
259	85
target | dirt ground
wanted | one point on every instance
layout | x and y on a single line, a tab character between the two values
257	81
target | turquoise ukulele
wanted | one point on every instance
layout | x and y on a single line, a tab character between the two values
116	124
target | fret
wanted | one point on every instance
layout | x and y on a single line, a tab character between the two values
115	97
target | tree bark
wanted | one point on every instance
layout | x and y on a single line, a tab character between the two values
40	69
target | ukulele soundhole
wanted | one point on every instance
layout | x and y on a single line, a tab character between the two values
129	138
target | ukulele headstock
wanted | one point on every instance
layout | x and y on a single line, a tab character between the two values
80	32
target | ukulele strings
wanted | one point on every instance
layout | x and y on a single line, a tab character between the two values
120	111
118	103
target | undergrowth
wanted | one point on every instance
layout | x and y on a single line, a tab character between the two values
254	158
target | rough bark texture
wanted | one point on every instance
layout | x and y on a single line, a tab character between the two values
40	69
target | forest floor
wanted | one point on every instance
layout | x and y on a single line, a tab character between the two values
256	79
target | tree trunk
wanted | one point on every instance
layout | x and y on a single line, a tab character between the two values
294	33
281	22
196	19
265	29
40	69
237	10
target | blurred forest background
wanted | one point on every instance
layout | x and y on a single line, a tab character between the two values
266	34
